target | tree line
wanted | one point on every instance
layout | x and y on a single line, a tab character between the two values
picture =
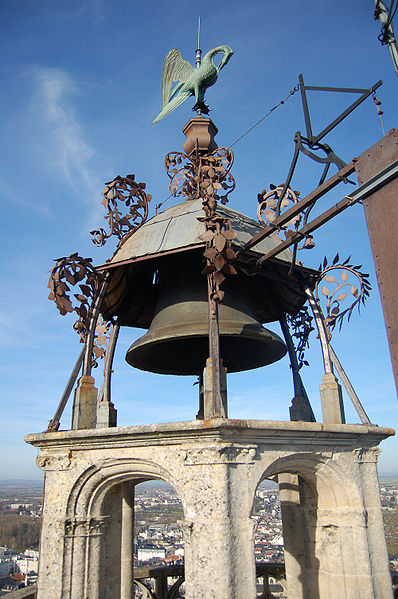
19	532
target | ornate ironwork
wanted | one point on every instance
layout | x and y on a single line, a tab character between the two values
101	339
144	589
271	204
151	582
132	194
199	176
218	253
208	177
342	289
301	324
72	270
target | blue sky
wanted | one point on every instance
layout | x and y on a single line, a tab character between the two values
80	88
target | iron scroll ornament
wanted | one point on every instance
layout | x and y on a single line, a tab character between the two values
344	289
198	176
123	190
68	272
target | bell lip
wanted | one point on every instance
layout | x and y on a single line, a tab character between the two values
275	353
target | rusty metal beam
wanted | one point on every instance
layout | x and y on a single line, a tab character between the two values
370	187
309	228
381	212
310	199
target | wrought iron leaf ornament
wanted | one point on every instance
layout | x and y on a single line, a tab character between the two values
301	324
350	284
271	204
208	177
68	272
196	176
101	340
123	190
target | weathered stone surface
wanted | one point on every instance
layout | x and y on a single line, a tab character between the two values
329	494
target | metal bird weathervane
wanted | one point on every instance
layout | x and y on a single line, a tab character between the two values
190	81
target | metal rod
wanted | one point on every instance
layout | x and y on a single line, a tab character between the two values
198	50
349	388
346	112
93	324
54	423
384	18
289	178
214	351
353	90
320	323
312	197
292	355
305	107
109	361
299	389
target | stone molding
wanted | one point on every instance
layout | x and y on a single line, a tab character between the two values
230	454
216	430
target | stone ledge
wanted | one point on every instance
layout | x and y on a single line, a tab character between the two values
218	429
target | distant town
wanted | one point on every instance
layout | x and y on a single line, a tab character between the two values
158	537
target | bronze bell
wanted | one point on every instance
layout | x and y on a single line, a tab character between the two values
177	341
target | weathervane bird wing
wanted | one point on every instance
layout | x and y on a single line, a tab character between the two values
175	70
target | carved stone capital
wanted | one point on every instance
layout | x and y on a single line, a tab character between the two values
229	454
75	527
367	454
54	461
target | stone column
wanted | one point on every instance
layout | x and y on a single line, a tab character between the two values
94	571
112	545
127	542
218	531
293	534
76	542
379	577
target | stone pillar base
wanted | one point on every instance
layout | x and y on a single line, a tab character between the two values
332	400
106	414
208	407
85	404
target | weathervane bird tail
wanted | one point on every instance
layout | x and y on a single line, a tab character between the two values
190	81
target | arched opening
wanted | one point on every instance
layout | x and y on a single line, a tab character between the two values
158	542
268	540
316	502
105	508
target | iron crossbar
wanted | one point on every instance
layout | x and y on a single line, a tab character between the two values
359	194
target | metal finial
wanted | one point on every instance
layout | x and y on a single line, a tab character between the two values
198	50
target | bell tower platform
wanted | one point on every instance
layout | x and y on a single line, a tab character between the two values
332	521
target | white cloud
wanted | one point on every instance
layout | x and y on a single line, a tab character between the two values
54	101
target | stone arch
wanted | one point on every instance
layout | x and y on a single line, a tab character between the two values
99	531
87	495
321	507
328	478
